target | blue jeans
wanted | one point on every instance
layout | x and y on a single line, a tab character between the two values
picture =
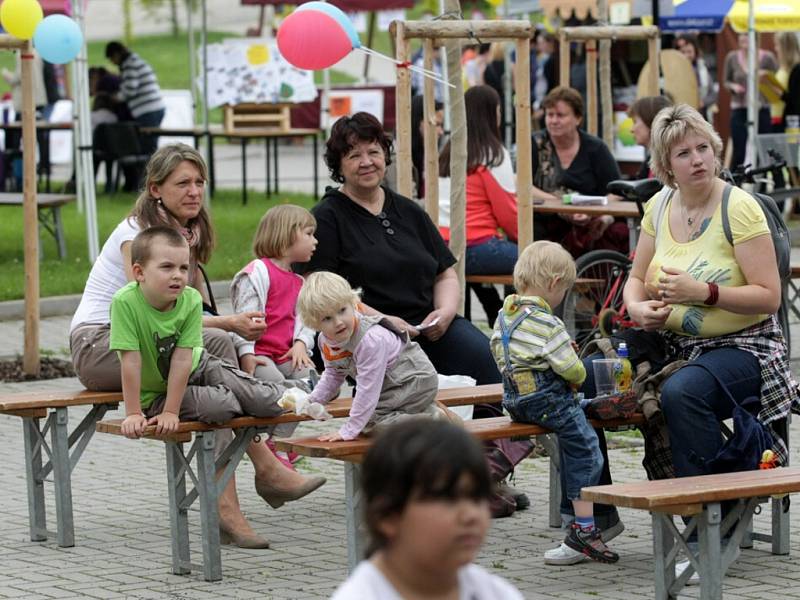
694	405
462	350
495	257
739	131
553	405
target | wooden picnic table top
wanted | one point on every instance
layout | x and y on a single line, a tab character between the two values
615	208
339	408
42	125
42	200
687	491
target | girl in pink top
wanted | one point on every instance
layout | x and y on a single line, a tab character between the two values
284	236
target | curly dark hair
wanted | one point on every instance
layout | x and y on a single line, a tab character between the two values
349	131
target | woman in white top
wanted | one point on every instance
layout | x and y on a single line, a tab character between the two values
175	182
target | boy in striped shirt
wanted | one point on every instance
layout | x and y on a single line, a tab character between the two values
541	372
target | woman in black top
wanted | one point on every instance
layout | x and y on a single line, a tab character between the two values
387	245
566	159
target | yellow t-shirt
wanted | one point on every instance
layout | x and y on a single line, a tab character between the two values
708	258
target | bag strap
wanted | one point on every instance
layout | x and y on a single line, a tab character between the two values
726	224
662	202
211	302
505	335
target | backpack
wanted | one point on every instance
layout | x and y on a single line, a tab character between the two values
775	222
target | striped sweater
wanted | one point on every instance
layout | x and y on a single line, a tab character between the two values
139	86
539	342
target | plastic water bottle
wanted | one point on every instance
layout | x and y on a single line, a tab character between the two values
624	371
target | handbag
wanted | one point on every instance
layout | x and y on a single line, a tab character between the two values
742	450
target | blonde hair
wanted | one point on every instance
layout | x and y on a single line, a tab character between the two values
541	263
670	127
160	166
278	229
322	294
789	49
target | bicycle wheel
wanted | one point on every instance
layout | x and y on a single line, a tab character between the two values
593	306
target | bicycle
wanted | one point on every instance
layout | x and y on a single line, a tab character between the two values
594	306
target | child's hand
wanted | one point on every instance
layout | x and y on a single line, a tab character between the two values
330	437
249	362
299	355
133	426
166	422
575	347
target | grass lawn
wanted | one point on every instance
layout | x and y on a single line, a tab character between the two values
234	225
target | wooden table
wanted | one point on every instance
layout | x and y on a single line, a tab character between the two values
49	213
614	208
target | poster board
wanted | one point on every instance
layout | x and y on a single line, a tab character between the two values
253	70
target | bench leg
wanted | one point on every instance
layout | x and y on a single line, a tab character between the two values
710	552
780	525
178	517
554	494
355	534
664	563
37	515
59	233
209	512
62	477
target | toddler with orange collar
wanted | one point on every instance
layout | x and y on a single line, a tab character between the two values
394	378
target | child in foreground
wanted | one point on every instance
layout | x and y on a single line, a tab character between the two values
540	374
394	378
426	493
285	235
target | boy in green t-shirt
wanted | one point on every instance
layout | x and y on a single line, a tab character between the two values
156	327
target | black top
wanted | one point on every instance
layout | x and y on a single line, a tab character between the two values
591	169
792	94
394	257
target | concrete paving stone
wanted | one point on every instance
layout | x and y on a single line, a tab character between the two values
8	590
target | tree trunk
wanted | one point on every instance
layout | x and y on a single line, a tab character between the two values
173	15
127	22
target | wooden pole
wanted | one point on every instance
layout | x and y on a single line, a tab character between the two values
592	32
403	114
606	95
522	88
430	139
460	30
655	63
591	87
30	359
563	59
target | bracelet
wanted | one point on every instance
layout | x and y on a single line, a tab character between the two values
713	294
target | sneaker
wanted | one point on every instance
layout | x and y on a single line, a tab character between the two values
695	577
564	555
590	544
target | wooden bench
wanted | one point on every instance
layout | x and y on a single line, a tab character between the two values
207	488
700	498
49	213
44	412
352	453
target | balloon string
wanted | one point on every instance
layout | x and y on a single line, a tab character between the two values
405	65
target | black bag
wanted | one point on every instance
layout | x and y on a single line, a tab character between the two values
741	451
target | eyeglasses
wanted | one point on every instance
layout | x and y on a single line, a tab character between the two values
387	225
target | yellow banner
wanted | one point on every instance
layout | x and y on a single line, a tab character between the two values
771	15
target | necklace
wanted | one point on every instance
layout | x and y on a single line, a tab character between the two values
696	220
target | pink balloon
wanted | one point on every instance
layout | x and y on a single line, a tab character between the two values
313	40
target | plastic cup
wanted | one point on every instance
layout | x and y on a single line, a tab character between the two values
604	380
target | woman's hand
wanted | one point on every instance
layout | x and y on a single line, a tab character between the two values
403	326
598	225
650	314
299	355
250	325
442	318
678	287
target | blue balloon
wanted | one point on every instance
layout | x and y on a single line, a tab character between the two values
340	17
57	39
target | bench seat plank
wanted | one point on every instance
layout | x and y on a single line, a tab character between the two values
654	495
10	403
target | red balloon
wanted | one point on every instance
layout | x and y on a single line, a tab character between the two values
309	39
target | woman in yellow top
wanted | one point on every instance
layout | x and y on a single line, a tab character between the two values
712	301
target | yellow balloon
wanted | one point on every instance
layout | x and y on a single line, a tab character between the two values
257	54
20	17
